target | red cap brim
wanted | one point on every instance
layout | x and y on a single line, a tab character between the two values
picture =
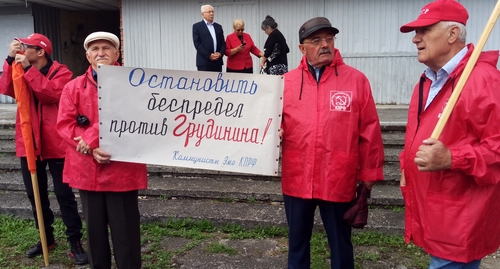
25	41
417	24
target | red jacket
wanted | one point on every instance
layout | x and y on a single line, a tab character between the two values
241	59
82	171
47	89
331	133
454	214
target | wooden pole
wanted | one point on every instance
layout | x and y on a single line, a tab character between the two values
465	75
23	107
39	214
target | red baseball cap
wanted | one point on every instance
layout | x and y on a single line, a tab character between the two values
440	10
37	40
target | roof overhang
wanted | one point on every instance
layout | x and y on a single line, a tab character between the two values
74	5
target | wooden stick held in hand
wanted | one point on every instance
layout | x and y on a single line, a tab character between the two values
465	75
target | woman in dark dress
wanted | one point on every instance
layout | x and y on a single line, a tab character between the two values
275	49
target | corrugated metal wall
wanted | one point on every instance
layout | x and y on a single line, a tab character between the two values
47	23
158	34
23	20
40	19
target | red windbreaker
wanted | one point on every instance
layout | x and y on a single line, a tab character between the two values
47	89
331	133
454	214
82	171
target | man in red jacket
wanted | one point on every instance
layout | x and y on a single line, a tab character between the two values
451	185
45	79
108	189
331	141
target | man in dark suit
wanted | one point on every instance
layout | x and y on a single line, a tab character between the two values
208	39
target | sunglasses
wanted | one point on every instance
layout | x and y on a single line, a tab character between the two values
25	47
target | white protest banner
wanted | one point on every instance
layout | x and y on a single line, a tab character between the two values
207	120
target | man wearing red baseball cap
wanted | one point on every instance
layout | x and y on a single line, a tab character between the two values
45	79
451	185
37	40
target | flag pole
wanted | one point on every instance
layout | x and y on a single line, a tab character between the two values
39	215
23	106
466	73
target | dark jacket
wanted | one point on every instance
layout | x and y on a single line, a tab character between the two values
275	49
204	44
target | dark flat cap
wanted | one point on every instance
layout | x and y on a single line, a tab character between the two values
314	25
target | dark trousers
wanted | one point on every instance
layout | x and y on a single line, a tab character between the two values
64	194
300	217
244	70
119	211
213	68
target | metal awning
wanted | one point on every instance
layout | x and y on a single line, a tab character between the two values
67	4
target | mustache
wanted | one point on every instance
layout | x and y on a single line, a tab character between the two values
325	51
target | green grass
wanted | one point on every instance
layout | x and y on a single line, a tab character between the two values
17	236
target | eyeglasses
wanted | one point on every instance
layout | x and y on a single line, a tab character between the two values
318	40
240	30
25	47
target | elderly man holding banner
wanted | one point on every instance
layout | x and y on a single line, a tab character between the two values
108	189
451	185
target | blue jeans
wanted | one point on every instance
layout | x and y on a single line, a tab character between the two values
438	263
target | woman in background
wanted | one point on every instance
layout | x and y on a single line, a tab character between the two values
275	49
239	45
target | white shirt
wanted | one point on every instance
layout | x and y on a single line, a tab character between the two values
211	29
438	79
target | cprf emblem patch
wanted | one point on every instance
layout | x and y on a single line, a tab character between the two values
340	101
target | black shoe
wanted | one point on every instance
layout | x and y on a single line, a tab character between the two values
78	253
37	249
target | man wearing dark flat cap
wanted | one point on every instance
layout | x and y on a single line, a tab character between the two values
331	142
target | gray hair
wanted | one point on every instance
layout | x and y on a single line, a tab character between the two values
205	7
463	32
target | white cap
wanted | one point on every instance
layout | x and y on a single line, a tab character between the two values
101	36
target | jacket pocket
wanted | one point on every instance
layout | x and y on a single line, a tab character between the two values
341	175
293	164
445	219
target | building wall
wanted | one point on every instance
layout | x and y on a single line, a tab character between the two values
75	27
66	30
21	18
155	34
158	34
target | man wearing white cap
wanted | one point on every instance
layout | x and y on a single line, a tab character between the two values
451	186
45	79
108	189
